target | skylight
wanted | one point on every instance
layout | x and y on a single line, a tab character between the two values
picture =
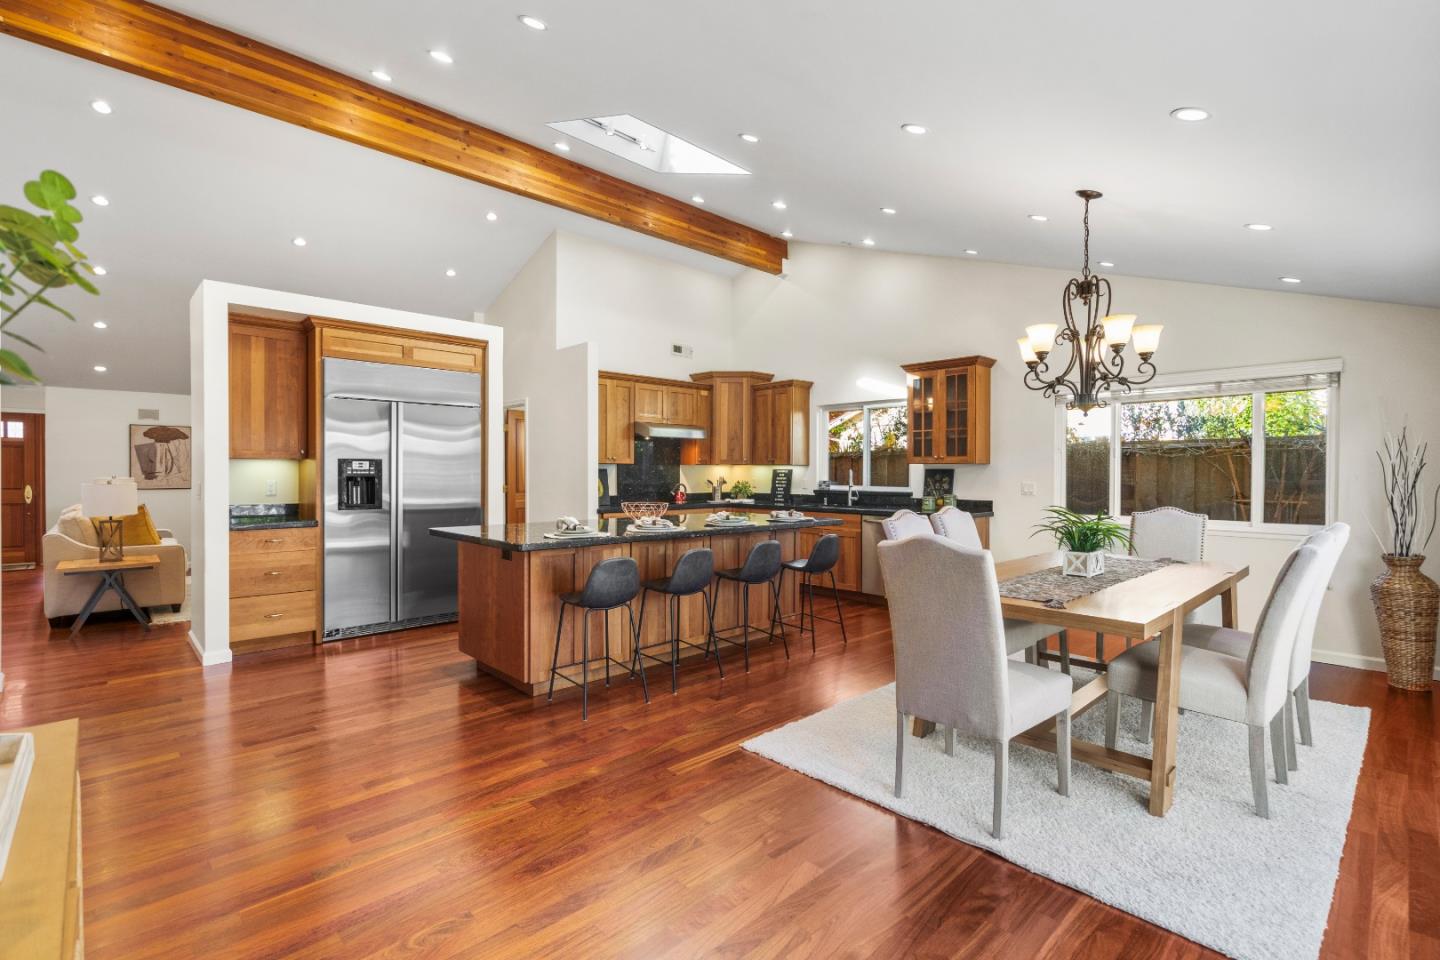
646	144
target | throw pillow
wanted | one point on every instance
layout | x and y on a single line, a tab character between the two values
77	527
138	530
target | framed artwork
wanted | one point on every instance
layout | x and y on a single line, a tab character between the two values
160	456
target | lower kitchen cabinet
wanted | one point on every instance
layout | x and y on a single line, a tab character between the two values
847	571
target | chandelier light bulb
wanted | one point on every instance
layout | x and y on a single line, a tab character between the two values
1027	352
1041	337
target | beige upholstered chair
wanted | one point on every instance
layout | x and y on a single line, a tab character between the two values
951	665
959	527
904	523
1251	690
73	538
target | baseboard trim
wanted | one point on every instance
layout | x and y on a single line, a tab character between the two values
1357	660
207	658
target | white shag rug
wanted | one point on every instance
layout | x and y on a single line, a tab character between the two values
1210	870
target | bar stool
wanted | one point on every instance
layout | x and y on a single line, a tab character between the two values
824	555
692	575
761	566
612	583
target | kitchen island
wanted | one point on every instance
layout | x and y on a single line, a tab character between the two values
511	578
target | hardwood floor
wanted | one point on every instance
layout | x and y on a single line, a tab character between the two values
378	798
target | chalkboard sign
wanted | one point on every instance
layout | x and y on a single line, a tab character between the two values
780	486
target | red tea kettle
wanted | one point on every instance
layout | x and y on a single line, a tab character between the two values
679	492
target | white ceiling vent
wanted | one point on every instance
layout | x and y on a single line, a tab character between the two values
646	144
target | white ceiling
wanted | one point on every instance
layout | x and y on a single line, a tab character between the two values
1326	124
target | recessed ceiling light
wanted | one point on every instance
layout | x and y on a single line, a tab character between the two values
779	204
298	241
100	200
440	56
1190	114
914	128
1106	263
786	234
697	199
888	210
492	216
99	106
1289	279
1038	217
534	23
450	272
971	253
1260	227
100	324
100	369
749	138
868	241
562	146
98	270
381	75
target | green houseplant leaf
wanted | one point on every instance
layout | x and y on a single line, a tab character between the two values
1083	534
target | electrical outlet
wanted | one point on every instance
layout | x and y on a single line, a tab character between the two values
272	488
1028	488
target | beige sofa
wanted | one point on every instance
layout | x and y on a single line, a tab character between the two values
74	538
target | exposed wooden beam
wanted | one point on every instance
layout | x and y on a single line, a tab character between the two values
178	50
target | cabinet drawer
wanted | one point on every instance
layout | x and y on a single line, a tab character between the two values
262	574
254	617
273	541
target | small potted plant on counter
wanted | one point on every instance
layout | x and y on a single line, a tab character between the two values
741	490
1083	540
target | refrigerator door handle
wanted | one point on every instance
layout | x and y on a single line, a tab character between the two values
397	509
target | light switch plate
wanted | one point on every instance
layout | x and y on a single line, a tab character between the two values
271	488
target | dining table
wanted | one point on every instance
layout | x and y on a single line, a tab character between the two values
1145	607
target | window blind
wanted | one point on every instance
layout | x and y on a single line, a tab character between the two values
1222	387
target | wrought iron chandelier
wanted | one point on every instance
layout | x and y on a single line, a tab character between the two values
1097	370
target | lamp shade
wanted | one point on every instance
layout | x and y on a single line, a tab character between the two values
1147	338
109	497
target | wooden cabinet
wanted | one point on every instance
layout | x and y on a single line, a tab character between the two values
666	403
384	345
682	406
949	410
617	420
732	414
781	434
847	570
269	390
649	403
273	597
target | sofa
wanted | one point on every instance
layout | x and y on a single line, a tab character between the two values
74	538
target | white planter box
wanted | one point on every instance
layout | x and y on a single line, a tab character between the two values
1090	564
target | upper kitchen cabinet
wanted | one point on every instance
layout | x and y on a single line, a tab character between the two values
667	403
781	433
732	416
617	420
360	342
949	410
269	390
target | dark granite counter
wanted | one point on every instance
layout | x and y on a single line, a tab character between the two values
526	537
267	516
269	523
804	501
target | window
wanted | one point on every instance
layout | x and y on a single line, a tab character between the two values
14	429
1201	447
868	442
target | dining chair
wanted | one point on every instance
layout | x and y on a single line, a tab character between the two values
1251	690
1169	533
959	527
905	523
1331	542
951	664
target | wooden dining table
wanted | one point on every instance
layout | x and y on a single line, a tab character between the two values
1139	609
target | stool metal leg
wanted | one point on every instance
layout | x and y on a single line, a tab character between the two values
809	589
635	662
585	667
775	617
745	619
710	636
839	614
675	648
607	647
555	660
635	639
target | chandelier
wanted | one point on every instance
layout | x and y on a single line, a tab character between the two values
1097	358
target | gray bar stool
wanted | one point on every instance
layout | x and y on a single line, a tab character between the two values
822	560
612	583
761	566
692	575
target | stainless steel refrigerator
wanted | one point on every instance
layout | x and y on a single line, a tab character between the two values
402	454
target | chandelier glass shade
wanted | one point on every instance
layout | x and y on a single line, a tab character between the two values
1097	337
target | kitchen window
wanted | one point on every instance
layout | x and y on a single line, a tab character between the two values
1250	452
868	441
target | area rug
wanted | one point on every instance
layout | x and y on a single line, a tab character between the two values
1210	870
160	615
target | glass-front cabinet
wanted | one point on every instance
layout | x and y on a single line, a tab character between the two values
949	406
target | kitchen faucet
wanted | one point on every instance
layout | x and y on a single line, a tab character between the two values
850	488
717	490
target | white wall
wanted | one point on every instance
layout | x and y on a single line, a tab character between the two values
853	313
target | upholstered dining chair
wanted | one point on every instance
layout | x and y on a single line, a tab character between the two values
959	527
951	665
1169	533
905	523
1330	541
1251	690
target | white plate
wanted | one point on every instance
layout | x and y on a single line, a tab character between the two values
787	519
643	528
572	535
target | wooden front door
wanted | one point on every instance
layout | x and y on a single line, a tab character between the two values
22	486
514	466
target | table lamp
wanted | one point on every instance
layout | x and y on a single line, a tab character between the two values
106	501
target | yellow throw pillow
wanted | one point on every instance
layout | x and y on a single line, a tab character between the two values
138	530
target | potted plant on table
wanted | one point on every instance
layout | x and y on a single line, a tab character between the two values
1083	540
1407	603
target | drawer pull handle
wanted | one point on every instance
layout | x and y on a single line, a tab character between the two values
274	540
272	573
273	616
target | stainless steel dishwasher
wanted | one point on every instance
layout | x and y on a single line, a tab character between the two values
871	533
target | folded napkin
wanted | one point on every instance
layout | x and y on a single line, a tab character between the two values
787	514
655	522
568	524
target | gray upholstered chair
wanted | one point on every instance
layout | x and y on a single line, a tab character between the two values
959	527
951	665
904	523
1331	542
1251	690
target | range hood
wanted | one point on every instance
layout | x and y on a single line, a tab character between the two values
668	431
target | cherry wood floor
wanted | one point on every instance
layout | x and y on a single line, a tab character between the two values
378	798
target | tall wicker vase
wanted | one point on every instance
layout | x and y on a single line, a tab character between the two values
1407	604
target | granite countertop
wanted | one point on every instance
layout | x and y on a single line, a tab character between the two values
269	523
267	516
525	537
802	501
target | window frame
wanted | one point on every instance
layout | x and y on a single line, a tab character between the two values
1228	382
865	407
